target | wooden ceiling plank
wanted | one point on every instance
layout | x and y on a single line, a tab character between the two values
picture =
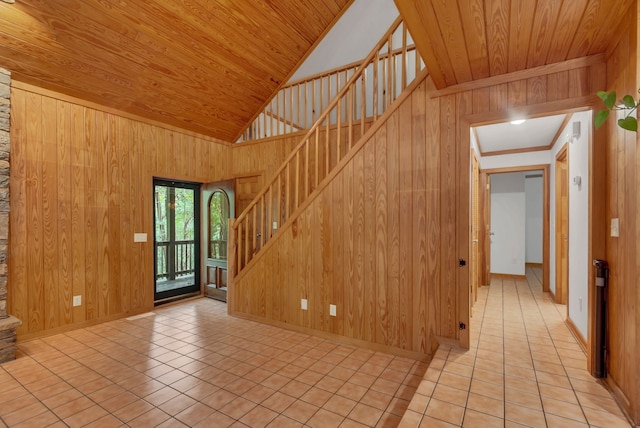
474	26
520	26
148	55
195	41
585	33
436	41
497	17
89	65
569	18
452	30
417	22
96	60
609	22
544	26
166	59
282	42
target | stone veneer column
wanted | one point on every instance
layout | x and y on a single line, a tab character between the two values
8	323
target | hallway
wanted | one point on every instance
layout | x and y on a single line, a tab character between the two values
524	368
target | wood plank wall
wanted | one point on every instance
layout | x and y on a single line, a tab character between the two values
81	185
368	244
382	241
623	158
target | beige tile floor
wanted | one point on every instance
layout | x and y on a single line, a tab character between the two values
192	365
524	369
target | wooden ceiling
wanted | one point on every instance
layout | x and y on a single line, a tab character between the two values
465	40
201	65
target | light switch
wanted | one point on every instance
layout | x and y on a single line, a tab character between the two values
303	304
139	237
615	227
77	300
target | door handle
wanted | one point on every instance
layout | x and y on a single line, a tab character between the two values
475	241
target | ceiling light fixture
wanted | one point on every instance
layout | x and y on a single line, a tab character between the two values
517	122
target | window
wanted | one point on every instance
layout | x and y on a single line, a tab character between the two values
218	224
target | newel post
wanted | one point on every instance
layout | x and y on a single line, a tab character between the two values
232	254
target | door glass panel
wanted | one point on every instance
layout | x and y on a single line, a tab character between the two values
176	211
218	225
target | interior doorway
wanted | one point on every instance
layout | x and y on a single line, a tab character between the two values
176	221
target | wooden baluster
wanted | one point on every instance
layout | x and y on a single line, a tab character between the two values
278	206
299	109
392	72
306	169
306	101
262	231
338	122
313	102
254	231
296	183
404	57
291	108
327	148
287	192
247	232
317	158
363	100
376	63
390	79
350	116
320	108
328	96
269	214
239	263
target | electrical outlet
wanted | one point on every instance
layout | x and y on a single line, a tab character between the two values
275	225
77	300
332	310
303	304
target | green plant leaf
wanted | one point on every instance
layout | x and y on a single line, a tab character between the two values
628	101
609	99
629	123
600	118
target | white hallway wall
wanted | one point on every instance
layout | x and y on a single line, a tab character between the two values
579	263
508	223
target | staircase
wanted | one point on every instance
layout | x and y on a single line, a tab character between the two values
362	95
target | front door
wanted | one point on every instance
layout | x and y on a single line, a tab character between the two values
217	209
177	238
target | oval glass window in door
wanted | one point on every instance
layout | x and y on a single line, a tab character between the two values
218	224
